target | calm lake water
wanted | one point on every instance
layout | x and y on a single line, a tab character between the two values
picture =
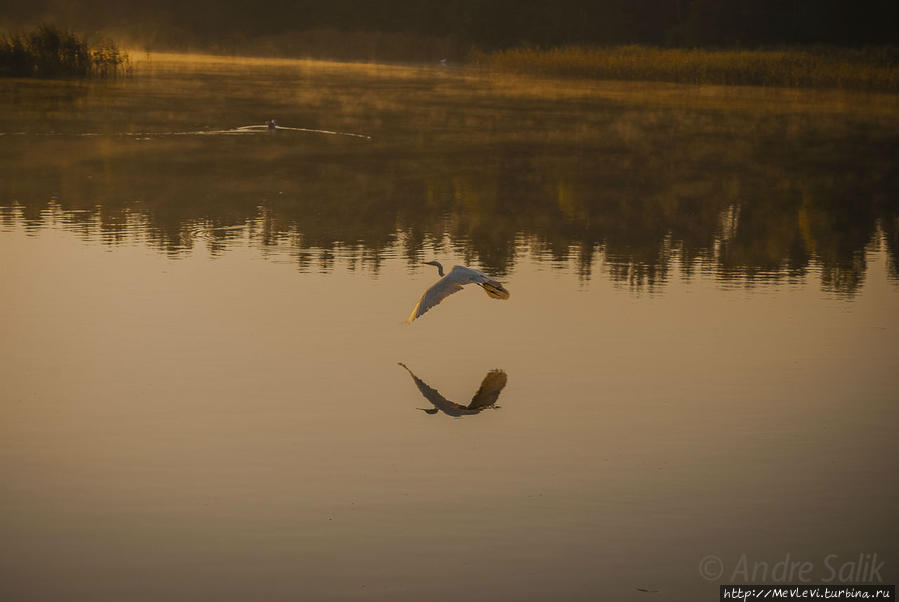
202	328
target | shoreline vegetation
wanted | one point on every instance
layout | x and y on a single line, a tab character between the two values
51	52
871	69
793	43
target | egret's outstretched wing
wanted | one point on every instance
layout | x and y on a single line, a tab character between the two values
458	277
441	289
430	394
489	391
494	289
440	402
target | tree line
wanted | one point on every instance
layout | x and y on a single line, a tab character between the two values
485	25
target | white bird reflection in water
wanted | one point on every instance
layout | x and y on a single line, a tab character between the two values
485	397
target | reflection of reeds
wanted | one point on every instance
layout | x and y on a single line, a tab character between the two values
52	52
636	180
870	69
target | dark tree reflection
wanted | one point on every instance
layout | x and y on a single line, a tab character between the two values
749	195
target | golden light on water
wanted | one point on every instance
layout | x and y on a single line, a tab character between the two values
202	326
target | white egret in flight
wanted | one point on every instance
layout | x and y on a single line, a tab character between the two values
486	396
453	282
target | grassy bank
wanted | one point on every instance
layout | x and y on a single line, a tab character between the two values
864	69
51	52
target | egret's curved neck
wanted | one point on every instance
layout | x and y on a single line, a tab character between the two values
439	268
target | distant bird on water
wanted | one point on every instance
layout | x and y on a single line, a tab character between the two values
272	124
453	282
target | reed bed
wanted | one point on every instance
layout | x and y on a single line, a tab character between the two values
865	69
52	52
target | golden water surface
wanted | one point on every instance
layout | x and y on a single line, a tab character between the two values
201	333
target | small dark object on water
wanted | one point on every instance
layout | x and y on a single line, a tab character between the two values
272	124
648	591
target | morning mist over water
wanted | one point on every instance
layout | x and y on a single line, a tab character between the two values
210	391
762	191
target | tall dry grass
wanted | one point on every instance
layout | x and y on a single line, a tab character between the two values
52	52
867	69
